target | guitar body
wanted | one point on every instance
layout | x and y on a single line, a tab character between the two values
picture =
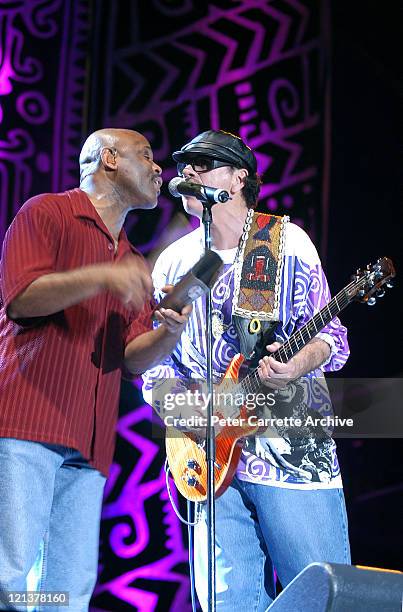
187	456
184	449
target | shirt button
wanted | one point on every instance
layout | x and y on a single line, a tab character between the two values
110	247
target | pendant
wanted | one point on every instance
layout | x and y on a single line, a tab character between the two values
254	326
217	324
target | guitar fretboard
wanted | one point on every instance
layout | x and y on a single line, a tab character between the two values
251	383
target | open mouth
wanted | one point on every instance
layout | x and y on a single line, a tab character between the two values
158	181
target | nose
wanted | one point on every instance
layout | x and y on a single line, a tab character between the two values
188	171
157	168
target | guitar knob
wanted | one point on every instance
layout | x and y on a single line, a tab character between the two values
192	481
380	293
192	464
390	284
371	301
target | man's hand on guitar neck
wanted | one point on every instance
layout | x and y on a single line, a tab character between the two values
277	375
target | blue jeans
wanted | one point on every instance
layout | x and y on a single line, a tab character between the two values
50	505
259	528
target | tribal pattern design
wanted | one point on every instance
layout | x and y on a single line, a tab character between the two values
41	98
169	68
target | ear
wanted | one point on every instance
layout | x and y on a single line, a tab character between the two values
108	158
238	179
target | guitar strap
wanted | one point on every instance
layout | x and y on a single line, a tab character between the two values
257	281
252	345
255	313
257	286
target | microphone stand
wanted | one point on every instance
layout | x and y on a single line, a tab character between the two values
210	433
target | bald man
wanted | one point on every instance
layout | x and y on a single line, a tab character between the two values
74	312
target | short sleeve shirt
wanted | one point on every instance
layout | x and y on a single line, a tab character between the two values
60	374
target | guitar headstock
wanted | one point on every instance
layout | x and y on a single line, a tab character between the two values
368	284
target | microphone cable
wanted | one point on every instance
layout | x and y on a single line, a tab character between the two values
193	517
191	523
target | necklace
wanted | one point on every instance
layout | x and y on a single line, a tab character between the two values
218	327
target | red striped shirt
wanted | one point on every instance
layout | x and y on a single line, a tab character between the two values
60	374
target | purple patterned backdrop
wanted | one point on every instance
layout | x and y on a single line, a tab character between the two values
143	552
255	67
44	44
169	68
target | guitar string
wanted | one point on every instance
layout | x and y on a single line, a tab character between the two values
252	381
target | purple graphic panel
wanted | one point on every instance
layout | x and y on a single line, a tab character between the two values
130	501
253	67
171	69
44	44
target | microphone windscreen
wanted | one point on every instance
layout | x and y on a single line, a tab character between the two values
172	185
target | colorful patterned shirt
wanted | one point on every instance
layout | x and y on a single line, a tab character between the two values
304	291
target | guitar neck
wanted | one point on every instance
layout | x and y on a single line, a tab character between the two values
302	336
251	383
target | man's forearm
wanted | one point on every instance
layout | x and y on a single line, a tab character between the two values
128	279
316	352
149	349
56	291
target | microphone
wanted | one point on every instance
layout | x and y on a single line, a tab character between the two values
194	284
177	187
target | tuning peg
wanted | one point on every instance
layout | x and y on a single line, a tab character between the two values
371	301
390	284
380	293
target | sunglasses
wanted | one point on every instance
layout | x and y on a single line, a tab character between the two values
201	165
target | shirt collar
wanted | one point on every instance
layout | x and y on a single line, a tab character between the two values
83	207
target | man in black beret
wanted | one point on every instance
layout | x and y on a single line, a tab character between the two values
285	506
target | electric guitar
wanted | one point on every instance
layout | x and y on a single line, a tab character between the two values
186	450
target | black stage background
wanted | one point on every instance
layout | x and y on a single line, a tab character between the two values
364	222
